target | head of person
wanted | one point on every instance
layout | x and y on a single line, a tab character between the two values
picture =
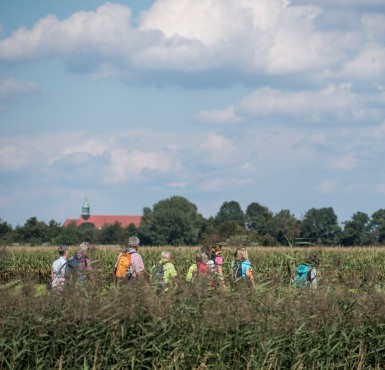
133	242
201	257
216	250
62	250
241	254
166	255
313	260
85	247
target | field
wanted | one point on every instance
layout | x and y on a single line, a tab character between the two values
101	326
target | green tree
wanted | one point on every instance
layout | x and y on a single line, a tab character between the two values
357	231
321	226
286	227
87	232
258	219
33	232
53	231
230	211
6	231
68	235
173	221
111	234
378	226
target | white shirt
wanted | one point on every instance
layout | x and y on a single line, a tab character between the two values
58	271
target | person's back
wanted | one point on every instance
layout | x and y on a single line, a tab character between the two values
306	273
58	270
242	270
163	273
199	271
79	266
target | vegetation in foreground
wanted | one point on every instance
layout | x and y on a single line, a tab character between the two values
340	325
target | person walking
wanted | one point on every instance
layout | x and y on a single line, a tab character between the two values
163	274
79	266
58	269
136	269
242	270
306	273
215	264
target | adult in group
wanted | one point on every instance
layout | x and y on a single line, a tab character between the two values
242	270
79	266
306	273
58	269
129	265
163	274
215	266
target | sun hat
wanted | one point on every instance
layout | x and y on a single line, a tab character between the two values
133	241
84	246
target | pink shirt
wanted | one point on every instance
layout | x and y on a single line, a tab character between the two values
137	264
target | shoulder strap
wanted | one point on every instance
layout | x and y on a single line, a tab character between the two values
59	271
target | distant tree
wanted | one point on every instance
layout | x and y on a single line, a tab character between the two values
6	231
111	234
258	218
286	228
87	232
33	232
229	229
378	226
68	235
357	231
321	226
230	211
53	231
173	221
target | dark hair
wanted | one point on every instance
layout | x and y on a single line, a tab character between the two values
313	260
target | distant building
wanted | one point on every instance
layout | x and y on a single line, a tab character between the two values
100	220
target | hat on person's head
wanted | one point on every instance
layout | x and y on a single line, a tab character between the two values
84	246
133	241
62	249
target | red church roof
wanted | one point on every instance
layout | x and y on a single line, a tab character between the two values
100	220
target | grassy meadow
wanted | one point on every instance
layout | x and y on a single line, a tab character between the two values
101	326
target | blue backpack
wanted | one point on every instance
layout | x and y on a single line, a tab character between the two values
302	277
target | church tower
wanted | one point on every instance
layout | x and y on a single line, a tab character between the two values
85	210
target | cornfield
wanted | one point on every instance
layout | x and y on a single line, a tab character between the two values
103	326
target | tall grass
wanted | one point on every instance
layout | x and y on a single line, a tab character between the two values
100	326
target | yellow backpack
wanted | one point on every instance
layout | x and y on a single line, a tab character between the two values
123	265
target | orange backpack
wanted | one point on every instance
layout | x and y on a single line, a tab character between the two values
123	265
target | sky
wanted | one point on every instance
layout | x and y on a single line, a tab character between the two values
128	103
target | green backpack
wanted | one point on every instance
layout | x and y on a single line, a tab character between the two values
157	276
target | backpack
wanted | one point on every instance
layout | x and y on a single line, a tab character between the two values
236	272
157	276
202	271
303	276
123	266
75	265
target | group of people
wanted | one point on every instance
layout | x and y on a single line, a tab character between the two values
206	271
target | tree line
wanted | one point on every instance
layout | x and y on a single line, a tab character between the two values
176	221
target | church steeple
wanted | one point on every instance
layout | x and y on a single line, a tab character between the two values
85	210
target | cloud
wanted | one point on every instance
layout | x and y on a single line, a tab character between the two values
245	37
368	64
126	165
12	89
332	103
224	116
327	186
83	32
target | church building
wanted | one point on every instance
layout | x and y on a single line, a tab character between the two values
100	220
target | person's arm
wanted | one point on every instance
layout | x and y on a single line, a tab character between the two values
250	276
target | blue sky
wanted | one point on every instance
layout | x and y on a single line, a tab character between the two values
128	103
